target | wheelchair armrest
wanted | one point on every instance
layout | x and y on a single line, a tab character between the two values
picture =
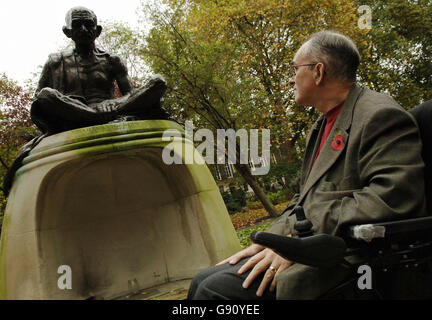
320	250
403	228
382	244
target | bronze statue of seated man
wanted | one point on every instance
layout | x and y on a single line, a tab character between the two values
77	86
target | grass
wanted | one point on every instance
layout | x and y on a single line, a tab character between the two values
244	234
253	219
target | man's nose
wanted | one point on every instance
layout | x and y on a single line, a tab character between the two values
292	80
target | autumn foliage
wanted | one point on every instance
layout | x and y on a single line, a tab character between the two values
253	216
16	127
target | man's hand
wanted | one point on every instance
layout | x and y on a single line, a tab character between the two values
248	252
108	106
264	261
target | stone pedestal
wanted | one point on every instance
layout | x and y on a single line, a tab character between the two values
101	201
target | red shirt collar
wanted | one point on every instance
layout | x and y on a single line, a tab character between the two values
334	112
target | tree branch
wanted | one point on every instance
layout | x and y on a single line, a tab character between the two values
4	164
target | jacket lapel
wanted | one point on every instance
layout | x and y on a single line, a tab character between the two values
329	154
311	148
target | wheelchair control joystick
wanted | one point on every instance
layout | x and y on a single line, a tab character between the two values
303	226
321	250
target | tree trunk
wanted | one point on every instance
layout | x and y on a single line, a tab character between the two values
245	172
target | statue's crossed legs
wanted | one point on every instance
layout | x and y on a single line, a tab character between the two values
55	112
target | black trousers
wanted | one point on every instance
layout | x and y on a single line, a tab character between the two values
224	283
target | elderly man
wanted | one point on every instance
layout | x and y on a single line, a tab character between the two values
362	164
76	88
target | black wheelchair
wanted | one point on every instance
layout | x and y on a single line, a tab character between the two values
398	253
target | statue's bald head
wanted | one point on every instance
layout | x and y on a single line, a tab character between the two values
79	12
81	25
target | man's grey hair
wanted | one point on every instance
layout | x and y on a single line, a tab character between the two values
338	53
68	17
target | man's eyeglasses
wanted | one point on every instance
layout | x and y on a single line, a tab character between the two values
294	67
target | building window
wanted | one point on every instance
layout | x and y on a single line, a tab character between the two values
251	164
217	173
263	161
261	164
229	172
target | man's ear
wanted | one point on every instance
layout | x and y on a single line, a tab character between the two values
319	73
98	30
67	32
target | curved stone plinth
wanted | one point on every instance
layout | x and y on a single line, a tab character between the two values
102	201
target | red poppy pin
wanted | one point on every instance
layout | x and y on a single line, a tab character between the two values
337	143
